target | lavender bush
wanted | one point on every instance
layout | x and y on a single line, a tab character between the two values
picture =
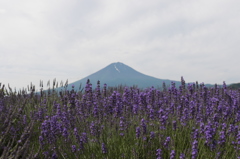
191	121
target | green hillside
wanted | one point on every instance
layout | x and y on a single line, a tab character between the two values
234	86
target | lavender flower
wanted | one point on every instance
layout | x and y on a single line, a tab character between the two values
144	126
194	149
174	123
41	140
121	123
24	119
65	132
87	118
173	154
104	149
95	110
144	138
182	156
121	134
84	137
93	128
238	140
151	114
76	133
74	148
208	134
135	109
222	138
54	155
138	131
152	135
195	134
46	153
159	154
166	143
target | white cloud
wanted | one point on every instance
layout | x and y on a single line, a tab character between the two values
72	39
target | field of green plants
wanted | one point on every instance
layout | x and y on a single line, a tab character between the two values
188	122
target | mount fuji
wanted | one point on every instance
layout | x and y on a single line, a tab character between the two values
120	74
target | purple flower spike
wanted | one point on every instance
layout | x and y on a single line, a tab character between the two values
138	132
173	154
144	126
159	154
194	149
93	129
121	123
174	123
238	138
45	153
104	149
182	156
54	155
151	114
74	149
222	138
84	137
166	143
41	140
152	135
65	133
135	109
121	134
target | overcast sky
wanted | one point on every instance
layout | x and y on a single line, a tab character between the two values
47	39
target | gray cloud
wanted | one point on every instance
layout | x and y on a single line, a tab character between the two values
72	39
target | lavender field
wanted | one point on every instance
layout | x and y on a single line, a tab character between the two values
189	122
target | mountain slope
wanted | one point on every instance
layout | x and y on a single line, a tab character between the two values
118	73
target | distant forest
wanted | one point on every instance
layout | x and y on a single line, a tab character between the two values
234	86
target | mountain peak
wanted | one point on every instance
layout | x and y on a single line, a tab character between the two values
117	63
118	73
118	67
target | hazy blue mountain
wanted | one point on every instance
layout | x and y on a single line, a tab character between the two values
120	74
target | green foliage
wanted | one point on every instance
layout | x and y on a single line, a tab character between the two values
234	86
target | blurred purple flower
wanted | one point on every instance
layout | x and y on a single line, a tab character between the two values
182	156
104	149
151	114
65	132
172	154
54	155
144	126
174	123
84	137
159	154
121	123
166	143
152	135
138	131
222	138
93	129
194	149
74	148
121	134
135	109
45	153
